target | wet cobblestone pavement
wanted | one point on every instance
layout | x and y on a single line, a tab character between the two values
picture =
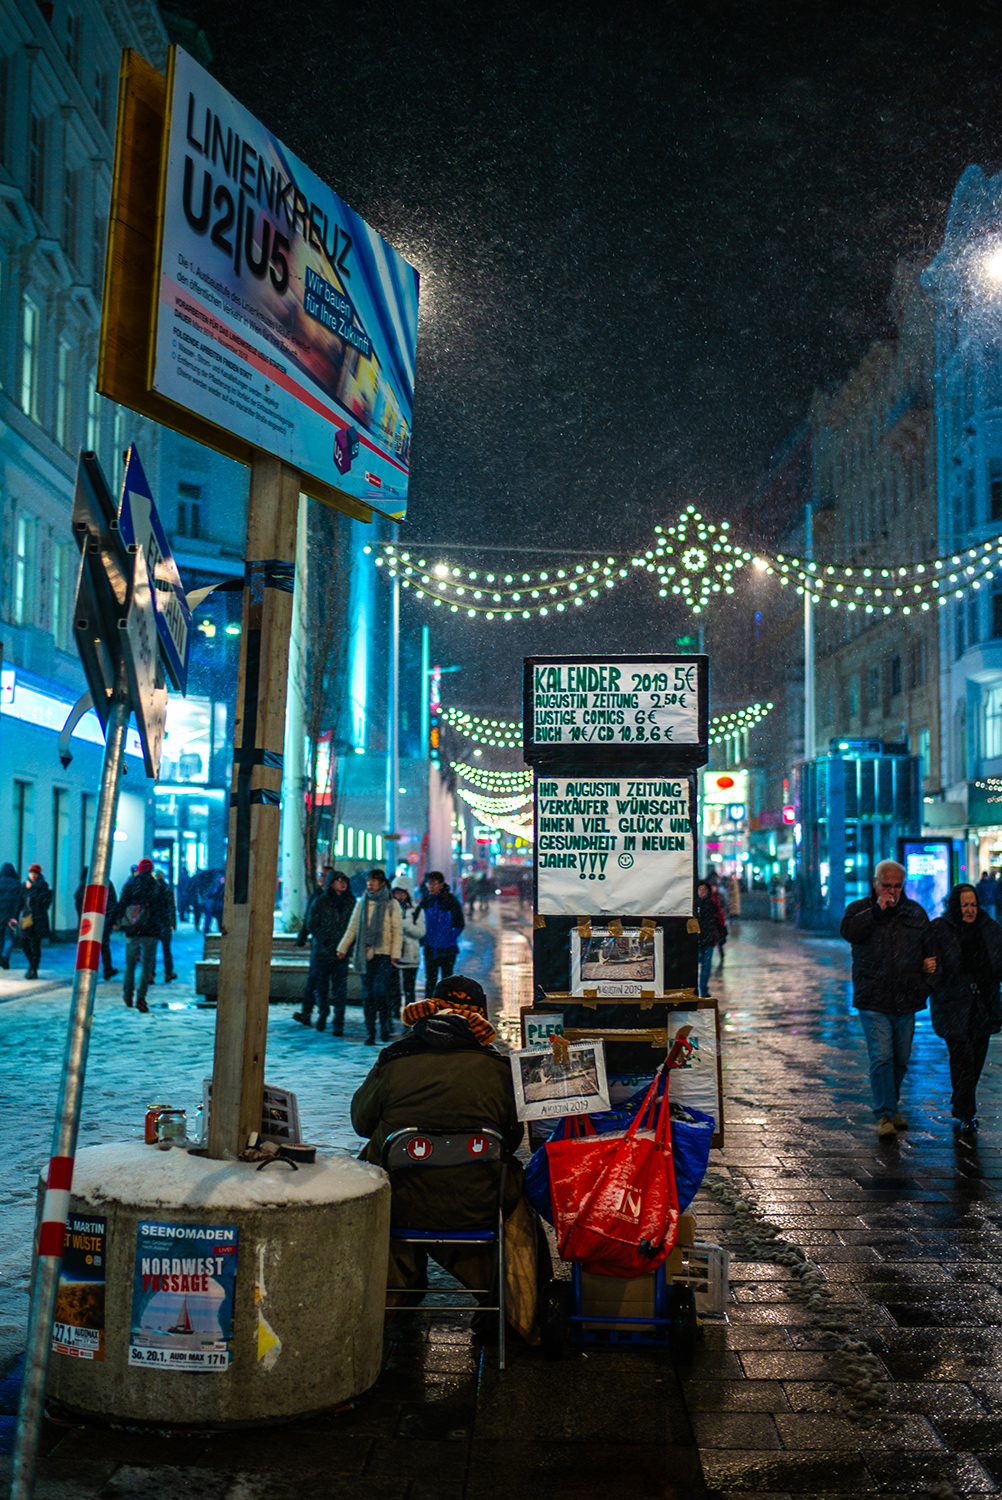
878	1373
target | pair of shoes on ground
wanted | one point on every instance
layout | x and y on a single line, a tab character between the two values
169	977
967	1126
889	1126
297	1015
140	1004
31	974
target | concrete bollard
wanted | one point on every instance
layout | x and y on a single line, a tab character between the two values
282	1319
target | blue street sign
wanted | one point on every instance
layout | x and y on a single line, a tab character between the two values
140	526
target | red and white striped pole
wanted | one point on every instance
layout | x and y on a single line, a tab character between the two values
59	1179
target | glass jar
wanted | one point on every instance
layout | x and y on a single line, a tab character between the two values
172	1126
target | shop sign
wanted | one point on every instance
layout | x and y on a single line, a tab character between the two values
647	703
281	316
615	846
182	1296
724	788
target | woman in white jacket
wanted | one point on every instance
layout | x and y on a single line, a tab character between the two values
411	938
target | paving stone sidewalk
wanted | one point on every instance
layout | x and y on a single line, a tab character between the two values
907	1234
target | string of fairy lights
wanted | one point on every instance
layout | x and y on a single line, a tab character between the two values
691	559
502	799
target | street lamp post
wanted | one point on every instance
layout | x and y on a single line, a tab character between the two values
809	747
393	730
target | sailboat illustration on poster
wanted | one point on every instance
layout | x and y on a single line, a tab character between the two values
183	1324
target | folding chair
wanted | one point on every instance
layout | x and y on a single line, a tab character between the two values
415	1149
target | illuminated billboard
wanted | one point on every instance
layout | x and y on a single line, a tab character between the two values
281	316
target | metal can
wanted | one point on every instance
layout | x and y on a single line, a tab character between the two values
152	1115
172	1126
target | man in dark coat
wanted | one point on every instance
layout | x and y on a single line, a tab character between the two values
78	900
326	923
443	922
11	901
142	913
442	1075
36	900
891	979
966	1005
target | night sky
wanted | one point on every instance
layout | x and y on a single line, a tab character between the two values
645	234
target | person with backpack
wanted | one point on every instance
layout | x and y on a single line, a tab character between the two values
35	905
140	915
326	922
78	900
444	921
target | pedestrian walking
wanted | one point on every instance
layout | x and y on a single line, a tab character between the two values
78	900
375	931
170	923
719	895
140	915
468	892
36	899
412	926
485	890
891	979
182	893
966	947
11	901
987	893
708	917
212	901
444	921
325	924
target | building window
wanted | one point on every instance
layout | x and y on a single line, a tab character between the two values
895	675
973	633
916	662
5	85
997	614
854	695
62	593
23	807
88	811
991	723
98	239
995	489
189	509
873	686
58	874
93	417
970	499
101	96
958	632
351	843
72	43
64	378
36	160
70	220
30	333
924	753
24	547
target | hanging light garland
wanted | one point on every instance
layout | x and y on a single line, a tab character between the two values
495	783
739	721
498	734
492	806
692	559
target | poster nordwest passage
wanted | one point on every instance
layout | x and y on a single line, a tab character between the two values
78	1329
182	1296
615	846
280	315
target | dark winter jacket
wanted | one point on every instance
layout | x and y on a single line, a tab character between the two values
11	895
965	999
438	1077
326	920
443	920
152	895
711	922
35	902
887	952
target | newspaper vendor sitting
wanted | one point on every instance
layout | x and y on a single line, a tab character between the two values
444	1075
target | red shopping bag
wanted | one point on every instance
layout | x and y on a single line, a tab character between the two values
615	1208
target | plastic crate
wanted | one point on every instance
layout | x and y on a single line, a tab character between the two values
706	1269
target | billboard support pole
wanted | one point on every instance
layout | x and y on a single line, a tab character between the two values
255	807
59	1179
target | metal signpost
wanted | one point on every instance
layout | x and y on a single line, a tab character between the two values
122	664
